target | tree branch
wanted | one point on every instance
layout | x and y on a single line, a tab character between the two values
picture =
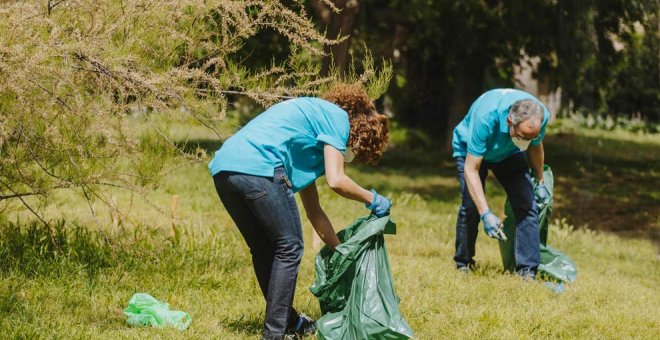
16	195
35	213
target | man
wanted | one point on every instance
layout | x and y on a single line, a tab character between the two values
500	125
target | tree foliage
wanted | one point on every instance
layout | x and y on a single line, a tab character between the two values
74	73
604	55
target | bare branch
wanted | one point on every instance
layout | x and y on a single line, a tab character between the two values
4	197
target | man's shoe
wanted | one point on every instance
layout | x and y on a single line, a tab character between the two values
285	337
527	275
464	270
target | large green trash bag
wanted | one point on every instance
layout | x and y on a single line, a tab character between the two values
144	310
355	288
554	264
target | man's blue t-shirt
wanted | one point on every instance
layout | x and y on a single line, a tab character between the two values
484	131
290	134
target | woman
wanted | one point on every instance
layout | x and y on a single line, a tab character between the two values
283	151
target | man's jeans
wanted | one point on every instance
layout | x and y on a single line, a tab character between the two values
265	211
513	175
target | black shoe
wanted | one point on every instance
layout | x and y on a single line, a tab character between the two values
464	270
306	326
285	337
527	276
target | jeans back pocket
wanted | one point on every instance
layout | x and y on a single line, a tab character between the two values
248	186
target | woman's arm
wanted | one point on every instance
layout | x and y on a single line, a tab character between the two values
316	215
339	182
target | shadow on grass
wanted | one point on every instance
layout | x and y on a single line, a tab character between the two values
486	270
193	145
430	174
606	184
602	183
248	326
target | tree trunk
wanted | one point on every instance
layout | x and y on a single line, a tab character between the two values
421	104
337	24
467	86
437	108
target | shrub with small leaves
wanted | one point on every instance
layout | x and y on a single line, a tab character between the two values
73	73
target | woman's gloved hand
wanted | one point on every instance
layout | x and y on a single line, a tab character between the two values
380	206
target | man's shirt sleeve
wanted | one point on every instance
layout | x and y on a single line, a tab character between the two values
480	129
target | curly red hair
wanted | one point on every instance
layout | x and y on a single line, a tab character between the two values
369	129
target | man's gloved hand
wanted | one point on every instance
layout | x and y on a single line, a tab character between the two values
492	225
542	194
380	206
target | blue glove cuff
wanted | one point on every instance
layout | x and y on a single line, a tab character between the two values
372	205
481	217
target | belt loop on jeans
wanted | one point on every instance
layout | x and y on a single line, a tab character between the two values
288	183
285	177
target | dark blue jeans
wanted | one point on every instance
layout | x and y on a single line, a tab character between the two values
513	175
265	211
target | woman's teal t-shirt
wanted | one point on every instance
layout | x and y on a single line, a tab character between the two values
290	134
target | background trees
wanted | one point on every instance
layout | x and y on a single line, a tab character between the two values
75	74
604	55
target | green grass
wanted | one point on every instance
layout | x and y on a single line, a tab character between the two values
195	259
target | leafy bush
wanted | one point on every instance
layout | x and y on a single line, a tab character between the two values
577	121
73	73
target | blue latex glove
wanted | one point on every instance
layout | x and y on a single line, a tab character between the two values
380	205
492	225
542	194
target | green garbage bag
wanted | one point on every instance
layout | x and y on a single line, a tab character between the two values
355	288
144	310
554	264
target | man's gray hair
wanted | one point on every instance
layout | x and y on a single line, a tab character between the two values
525	109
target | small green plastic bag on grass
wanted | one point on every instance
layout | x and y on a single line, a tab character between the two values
144	310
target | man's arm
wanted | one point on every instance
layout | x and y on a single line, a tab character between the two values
310	200
492	224
536	159
473	182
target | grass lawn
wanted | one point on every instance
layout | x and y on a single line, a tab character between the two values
194	258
